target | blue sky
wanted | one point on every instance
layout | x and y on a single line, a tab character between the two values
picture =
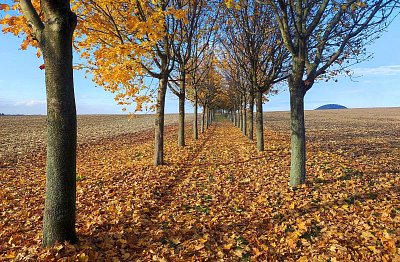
377	84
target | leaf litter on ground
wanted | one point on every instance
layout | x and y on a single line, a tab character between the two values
215	199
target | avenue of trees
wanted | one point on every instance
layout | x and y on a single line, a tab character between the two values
219	55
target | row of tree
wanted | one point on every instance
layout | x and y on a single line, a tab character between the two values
299	43
123	45
221	55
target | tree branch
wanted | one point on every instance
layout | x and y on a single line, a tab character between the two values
33	18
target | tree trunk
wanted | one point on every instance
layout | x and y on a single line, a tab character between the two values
159	122
181	121
210	117
250	135
181	124
203	119
195	124
244	117
259	121
206	117
60	207
237	115
241	116
298	137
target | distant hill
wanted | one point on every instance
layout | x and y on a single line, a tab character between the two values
331	106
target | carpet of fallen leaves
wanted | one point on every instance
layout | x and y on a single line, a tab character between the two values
218	199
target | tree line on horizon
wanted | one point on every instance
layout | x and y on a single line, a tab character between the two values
220	55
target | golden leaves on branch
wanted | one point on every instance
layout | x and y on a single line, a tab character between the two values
15	23
4	7
114	40
118	39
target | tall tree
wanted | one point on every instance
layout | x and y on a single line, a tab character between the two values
322	35
208	93
199	68
195	29
125	42
50	25
236	79
254	41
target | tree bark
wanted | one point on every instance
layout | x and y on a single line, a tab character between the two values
244	117
259	121
206	118
56	45
203	119
159	122
195	124
181	124
298	137
237	115
210	119
241	116
250	135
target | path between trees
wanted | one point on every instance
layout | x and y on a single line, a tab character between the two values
216	198
208	200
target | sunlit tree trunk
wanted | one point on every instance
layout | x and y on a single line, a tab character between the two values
237	115
250	135
241	115
55	40
259	121
209	117
297	126
244	130
203	113
234	116
195	124
205	117
181	121
159	122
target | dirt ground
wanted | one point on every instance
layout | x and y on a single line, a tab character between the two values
25	134
369	133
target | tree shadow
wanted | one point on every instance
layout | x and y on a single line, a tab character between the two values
348	174
129	239
224	164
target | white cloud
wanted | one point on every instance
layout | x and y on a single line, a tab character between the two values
30	103
393	70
